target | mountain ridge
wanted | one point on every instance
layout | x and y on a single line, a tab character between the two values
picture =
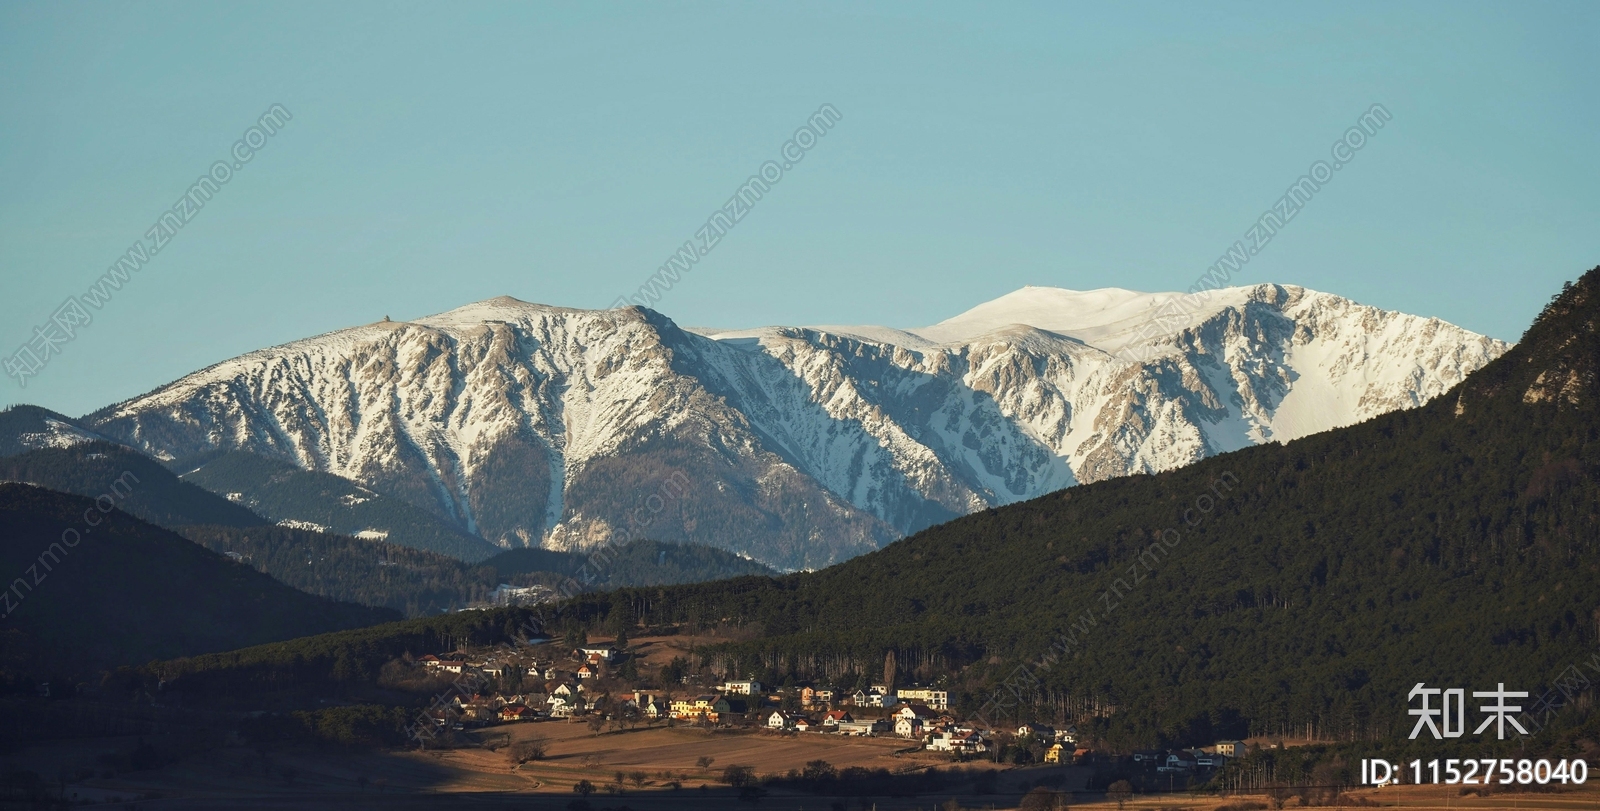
533	425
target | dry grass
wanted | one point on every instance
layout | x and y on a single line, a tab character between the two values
667	755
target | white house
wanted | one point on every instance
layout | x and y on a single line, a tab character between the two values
908	727
742	688
878	696
1178	762
937	699
560	708
605	652
969	743
780	720
654	707
861	728
834	718
1230	748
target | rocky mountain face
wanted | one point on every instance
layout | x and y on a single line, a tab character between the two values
531	425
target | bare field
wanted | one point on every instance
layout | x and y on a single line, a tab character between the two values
311	778
655	651
1420	798
575	754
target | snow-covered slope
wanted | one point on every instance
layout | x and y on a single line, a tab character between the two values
25	427
536	425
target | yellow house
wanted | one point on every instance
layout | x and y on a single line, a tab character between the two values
1053	754
690	709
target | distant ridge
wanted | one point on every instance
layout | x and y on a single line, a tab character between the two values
535	426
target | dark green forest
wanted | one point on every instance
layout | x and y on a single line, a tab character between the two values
345	664
418	583
91	588
640	563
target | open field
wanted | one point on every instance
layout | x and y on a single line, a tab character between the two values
655	651
308	778
1419	798
575	754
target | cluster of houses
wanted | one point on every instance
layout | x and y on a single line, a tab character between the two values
557	691
560	691
922	716
1063	743
554	690
1188	761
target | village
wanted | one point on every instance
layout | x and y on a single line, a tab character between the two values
600	685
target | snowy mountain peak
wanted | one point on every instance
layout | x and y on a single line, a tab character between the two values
528	424
497	309
1102	318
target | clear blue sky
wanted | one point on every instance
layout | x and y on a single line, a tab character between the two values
445	153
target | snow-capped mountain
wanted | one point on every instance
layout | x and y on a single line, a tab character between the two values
799	446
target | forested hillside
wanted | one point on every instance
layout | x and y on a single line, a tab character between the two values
27	427
1263	590
411	581
92	589
155	494
640	563
282	491
372	572
418	583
